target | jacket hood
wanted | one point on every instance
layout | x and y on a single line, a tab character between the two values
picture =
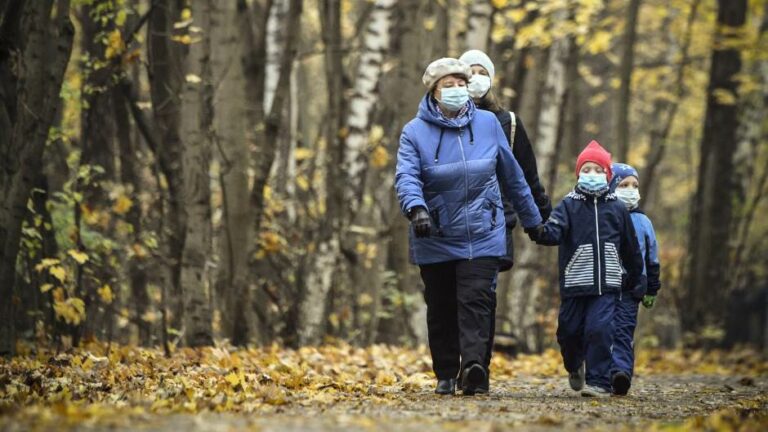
429	112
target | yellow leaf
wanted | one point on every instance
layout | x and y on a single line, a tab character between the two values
58	272
122	205
184	39
115	44
192	78
724	96
303	153
599	42
376	134
379	157
105	293
44	288
78	256
186	14
120	17
45	263
232	379
499	4
429	23
302	182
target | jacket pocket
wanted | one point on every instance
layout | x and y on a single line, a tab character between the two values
613	269
580	268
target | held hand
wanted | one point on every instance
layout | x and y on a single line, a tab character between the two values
534	233
648	301
420	222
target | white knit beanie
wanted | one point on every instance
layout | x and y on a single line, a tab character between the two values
477	57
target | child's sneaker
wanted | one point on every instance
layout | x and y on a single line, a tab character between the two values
594	391
576	379
620	382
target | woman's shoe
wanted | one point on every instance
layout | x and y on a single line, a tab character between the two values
472	379
446	386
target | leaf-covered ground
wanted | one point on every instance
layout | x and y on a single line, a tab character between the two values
378	388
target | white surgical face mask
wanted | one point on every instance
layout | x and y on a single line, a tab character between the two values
479	85
629	196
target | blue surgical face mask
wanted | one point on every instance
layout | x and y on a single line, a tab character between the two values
593	182
629	196
454	98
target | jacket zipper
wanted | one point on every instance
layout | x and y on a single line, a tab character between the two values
466	193
599	259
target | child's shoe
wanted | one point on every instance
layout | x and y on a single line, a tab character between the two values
620	382
576	379
594	391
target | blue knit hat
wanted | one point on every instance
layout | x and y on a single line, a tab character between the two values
620	172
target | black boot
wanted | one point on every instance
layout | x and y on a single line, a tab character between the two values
472	379
446	386
620	381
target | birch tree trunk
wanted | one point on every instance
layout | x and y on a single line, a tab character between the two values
233	153
33	57
525	288
375	45
323	261
711	215
196	122
479	25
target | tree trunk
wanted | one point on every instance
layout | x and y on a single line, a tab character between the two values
33	57
233	152
525	283
324	261
711	209
166	75
130	175
621	129
479	25
364	97
195	128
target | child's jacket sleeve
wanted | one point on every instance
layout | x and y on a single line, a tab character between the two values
652	263
556	227
632	258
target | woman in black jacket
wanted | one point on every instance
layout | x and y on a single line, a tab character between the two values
480	89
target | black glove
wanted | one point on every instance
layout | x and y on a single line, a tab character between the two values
534	233
420	221
545	209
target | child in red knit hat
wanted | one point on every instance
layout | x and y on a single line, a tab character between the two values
596	237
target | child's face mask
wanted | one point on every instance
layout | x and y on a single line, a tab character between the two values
479	85
593	182
629	196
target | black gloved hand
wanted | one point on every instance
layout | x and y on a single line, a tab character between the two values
534	233
420	221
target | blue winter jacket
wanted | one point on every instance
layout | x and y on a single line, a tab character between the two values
596	236
649	250
454	168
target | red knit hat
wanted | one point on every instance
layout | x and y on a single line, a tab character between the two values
597	154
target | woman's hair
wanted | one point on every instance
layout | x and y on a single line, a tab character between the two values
489	102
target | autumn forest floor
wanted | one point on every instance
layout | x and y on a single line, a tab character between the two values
338	388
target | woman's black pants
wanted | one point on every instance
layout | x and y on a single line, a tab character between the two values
460	307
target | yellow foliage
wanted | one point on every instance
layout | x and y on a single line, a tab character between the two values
598	42
78	256
379	157
105	293
71	310
115	44
303	153
58	272
122	205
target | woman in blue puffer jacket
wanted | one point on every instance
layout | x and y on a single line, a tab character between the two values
452	164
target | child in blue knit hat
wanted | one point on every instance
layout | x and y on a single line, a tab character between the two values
626	183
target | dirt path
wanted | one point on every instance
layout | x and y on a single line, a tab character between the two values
522	403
